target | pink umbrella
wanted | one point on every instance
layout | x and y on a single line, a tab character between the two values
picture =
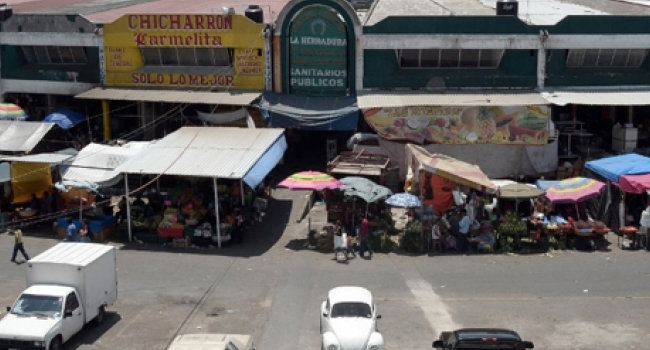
310	180
574	190
634	183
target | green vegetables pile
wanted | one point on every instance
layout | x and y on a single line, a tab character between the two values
512	226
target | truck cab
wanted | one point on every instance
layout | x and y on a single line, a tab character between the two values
41	314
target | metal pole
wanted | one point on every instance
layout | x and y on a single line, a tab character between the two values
128	206
241	191
216	210
81	208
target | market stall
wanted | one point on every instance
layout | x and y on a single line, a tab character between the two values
630	175
237	154
584	230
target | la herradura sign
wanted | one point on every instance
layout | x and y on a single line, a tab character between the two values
318	53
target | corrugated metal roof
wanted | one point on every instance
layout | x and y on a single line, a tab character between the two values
221	152
50	158
96	163
17	136
598	97
238	98
536	12
372	99
188	7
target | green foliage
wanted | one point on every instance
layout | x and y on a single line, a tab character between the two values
512	226
381	243
411	241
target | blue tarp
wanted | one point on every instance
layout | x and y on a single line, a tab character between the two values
626	164
65	118
266	163
309	113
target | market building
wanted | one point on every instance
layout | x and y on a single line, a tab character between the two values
482	83
176	61
514	87
138	69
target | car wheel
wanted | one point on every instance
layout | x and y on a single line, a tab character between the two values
101	312
55	344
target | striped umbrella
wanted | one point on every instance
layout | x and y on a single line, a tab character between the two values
310	180
574	190
10	111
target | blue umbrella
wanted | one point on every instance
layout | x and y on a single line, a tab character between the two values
65	118
404	200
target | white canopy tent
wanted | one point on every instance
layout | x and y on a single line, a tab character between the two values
212	152
96	163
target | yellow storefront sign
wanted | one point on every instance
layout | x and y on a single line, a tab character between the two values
125	39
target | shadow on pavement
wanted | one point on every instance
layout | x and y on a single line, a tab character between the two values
91	334
258	237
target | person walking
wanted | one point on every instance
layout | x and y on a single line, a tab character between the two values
71	232
18	244
364	235
340	241
463	232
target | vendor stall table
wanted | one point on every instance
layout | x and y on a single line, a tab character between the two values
169	232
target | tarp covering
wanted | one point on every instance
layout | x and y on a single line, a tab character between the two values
266	163
238	98
18	136
5	172
96	163
634	183
309	113
454	170
28	178
215	152
65	118
50	158
626	164
437	191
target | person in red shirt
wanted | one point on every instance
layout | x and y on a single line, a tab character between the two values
364	234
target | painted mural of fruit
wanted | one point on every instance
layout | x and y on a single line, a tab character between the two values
468	118
485	126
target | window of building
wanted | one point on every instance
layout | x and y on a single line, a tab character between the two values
621	58
55	54
450	58
174	56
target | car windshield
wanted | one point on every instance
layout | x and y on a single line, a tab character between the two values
41	305
351	310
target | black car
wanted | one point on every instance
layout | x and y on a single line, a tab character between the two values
481	338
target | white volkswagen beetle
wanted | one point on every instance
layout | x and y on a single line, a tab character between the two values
348	320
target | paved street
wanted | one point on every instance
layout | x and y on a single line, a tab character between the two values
272	288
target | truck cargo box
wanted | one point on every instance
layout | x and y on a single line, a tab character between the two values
88	267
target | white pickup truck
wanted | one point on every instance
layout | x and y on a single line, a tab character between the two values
69	285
